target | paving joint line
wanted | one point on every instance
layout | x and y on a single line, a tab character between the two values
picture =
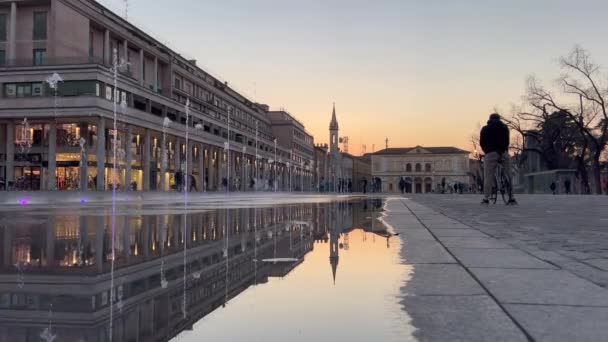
490	294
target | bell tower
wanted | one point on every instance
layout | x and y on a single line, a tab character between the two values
333	133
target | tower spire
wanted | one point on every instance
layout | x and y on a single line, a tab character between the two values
333	125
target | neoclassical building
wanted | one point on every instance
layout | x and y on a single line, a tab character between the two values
424	169
67	66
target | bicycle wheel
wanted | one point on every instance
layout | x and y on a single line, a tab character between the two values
506	190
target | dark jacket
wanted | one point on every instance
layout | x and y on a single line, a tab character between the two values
494	137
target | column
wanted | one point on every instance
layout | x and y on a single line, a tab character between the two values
142	67
155	78
163	155
99	235
50	241
125	51
126	241
107	54
146	163
190	168
178	154
146	229
212	176
84	159
201	167
128	157
12	34
10	153
101	154
6	246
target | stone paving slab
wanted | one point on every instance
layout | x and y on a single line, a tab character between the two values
472	242
441	279
553	323
498	258
457	232
460	318
556	287
544	272
425	252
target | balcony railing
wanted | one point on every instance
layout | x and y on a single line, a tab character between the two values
28	62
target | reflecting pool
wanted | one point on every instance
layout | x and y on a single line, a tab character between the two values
298	272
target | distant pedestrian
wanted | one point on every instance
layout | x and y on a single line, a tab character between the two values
553	188
225	183
455	187
364	185
402	185
193	184
567	185
178	180
350	186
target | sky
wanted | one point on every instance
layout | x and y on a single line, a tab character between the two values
418	72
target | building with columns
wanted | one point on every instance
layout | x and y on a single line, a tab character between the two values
291	134
424	169
62	138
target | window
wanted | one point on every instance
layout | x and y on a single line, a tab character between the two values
2	57
24	90
39	56
427	167
418	168
2	27
10	90
36	89
39	25
177	84
408	168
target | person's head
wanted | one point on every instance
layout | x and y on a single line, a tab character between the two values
494	117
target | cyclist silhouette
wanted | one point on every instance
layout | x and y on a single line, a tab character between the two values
494	141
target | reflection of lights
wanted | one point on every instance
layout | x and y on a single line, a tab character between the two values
83	200
136	250
24	201
154	245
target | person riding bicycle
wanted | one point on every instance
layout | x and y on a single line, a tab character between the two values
494	141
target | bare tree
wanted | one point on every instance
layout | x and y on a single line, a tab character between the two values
590	115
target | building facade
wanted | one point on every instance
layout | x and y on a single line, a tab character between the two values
423	169
291	134
69	69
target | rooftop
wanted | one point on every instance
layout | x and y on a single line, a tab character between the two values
432	150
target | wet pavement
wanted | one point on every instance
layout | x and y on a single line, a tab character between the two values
292	267
276	267
507	273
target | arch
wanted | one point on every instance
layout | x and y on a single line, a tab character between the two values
418	167
428	167
408	167
408	185
418	185
428	184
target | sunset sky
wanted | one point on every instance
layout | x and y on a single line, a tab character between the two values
418	72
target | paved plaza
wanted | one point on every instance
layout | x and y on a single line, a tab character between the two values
537	271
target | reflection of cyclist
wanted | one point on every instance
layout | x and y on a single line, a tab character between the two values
494	141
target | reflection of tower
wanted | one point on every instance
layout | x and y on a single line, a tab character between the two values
334	246
334	256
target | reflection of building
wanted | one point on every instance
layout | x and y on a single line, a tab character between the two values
424	169
78	39
64	260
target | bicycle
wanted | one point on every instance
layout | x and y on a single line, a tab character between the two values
502	185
